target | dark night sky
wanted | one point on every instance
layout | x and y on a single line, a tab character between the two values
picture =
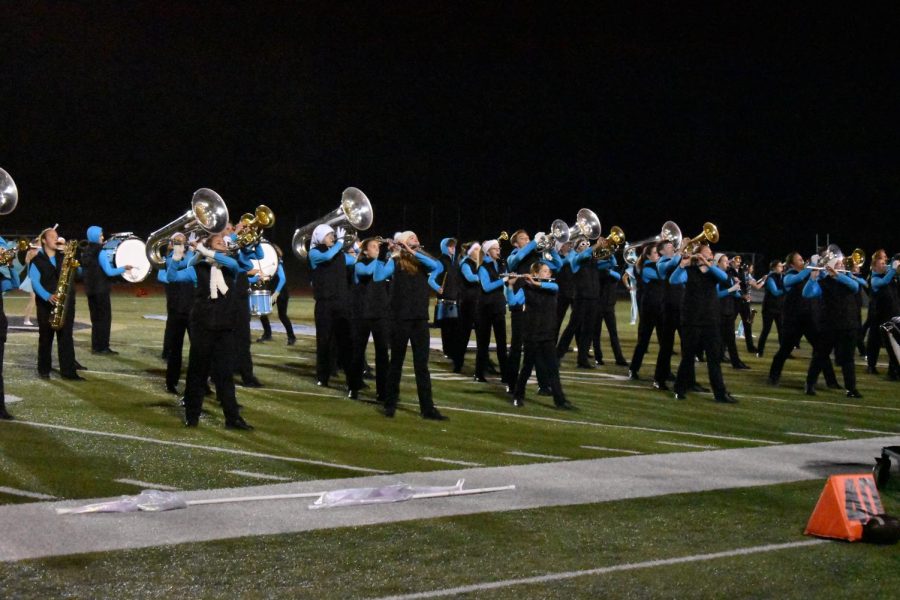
455	120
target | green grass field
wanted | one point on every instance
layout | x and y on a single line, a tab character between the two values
299	426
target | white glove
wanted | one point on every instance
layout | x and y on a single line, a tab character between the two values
192	239
339	234
204	251
178	252
735	287
539	237
275	297
895	264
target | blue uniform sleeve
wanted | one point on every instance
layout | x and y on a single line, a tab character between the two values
772	288
850	282
363	269
385	270
812	289
550	285
103	259
177	273
317	257
349	259
486	284
678	276
520	254
556	261
615	274
516	298
230	263
161	276
649	273
722	292
580	257
719	274
281	278
35	277
435	268
879	281
667	265
862	282
793	279
466	271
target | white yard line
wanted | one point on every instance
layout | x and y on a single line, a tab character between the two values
25	494
611	449
451	462
147	485
259	475
534	455
802	401
814	435
137	438
875	431
682	444
649	564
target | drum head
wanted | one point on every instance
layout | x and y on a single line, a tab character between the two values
133	252
267	265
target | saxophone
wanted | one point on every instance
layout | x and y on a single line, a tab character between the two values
64	286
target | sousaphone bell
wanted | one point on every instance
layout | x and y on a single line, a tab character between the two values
354	214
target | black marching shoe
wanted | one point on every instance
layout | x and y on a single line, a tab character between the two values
387	411
599	362
80	367
322	384
809	389
680	396
698	388
727	399
478	379
759	354
238	423
741	365
434	415
853	393
291	341
545	391
773	381
172	389
191	421
44	375
660	385
586	365
4	414
633	376
564	405
263	338
621	363
75	377
518	402
252	382
871	370
353	394
834	385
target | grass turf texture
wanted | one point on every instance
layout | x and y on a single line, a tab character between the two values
447	552
125	394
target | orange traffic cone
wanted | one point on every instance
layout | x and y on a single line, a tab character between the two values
845	505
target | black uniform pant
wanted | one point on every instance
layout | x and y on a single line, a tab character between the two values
542	357
176	326
665	333
333	323
380	331
211	354
449	336
562	305
415	333
607	315
580	327
794	329
864	328
651	318
746	313
700	339
726	331
165	348
770	318
514	357
101	320
843	342
243	361
4	325
282	306
876	340
485	322
468	310
65	343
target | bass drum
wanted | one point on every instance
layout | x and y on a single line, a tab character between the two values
130	250
268	264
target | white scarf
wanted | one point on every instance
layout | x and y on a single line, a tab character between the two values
216	281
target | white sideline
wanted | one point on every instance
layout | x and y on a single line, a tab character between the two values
872	431
649	564
25	494
682	444
535	455
814	435
451	462
138	438
253	475
611	449
147	485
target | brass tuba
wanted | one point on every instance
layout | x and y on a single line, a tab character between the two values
354	214
856	259
208	213
252	225
64	285
670	233
710	234
9	193
614	241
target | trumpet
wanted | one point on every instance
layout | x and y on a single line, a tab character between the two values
503	237
670	233
710	234
252	225
614	241
8	255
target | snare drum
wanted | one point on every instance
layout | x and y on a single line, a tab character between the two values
260	302
446	309
128	250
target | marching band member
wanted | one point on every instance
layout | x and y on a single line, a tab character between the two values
413	274
565	280
25	286
213	318
883	306
855	273
609	281
800	320
246	275
491	311
841	323
521	258
651	304
44	274
729	293
9	280
328	264
539	334
449	294
179	302
742	303
586	274
773	303
280	298
371	311
670	324
469	297
97	273
700	322
628	278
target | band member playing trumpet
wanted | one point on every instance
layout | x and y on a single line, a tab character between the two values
841	322
670	324
328	264
609	282
413	274
582	323
179	302
700	322
539	333
371	313
469	297
280	297
773	304
9	280
97	273
729	294
213	318
652	309
565	280
44	273
491	313
883	306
